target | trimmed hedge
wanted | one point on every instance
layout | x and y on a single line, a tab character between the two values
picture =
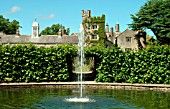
145	66
28	63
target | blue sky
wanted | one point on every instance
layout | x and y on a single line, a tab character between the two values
68	12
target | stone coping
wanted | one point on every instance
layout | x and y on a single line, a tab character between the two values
87	72
92	84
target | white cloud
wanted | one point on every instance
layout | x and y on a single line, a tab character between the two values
49	16
15	9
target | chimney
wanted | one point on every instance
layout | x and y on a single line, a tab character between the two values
107	28
63	30
17	32
117	28
60	32
111	31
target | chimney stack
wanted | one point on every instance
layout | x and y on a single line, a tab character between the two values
107	28
60	32
117	27
63	31
111	31
17	32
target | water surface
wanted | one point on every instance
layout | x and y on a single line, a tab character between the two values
54	98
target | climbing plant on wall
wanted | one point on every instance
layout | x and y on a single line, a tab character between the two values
100	21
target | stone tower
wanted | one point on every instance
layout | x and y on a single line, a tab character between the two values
86	14
35	29
93	28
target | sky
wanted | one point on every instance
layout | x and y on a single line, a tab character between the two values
68	12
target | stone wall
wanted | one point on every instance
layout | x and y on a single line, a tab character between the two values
127	41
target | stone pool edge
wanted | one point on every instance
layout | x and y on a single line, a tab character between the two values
92	84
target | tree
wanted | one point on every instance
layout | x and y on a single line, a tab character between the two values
13	26
154	15
3	24
68	31
8	27
150	40
53	30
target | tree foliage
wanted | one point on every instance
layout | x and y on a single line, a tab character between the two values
8	27
154	15
150	40
54	29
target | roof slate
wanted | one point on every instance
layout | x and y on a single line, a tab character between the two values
43	39
127	33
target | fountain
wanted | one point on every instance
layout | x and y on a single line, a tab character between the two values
81	56
64	98
80	68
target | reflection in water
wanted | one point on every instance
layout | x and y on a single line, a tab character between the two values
54	98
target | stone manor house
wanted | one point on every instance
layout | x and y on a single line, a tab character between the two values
95	30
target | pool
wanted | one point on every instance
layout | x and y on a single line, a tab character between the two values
55	98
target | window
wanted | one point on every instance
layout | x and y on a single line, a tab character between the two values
34	28
94	37
94	26
128	39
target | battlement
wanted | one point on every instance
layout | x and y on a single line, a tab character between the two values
86	14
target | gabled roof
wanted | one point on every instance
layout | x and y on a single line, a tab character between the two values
41	40
127	32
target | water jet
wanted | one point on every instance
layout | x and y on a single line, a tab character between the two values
79	69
